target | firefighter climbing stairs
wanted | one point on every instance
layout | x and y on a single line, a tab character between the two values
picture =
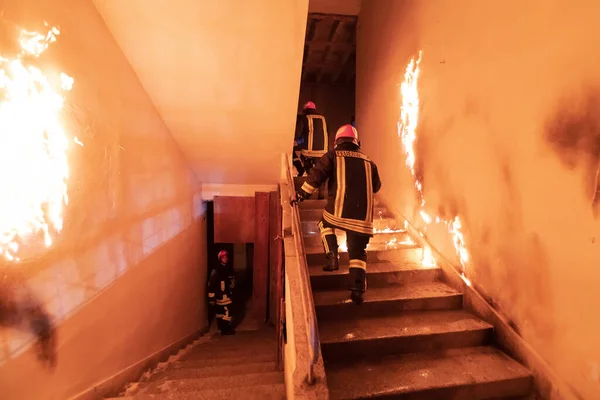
411	338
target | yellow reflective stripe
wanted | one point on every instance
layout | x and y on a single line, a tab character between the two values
368	172
325	136
308	188
311	132
357	223
350	153
349	224
357	264
341	186
325	231
313	153
211	295
325	245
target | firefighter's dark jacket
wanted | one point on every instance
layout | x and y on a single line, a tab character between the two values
353	179
220	285
312	128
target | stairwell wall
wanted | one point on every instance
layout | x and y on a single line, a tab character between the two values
508	140
126	277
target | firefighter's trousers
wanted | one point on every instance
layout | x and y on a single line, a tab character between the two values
224	318
357	253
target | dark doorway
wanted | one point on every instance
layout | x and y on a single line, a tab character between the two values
329	68
241	258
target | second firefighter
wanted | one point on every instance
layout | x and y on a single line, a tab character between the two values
220	288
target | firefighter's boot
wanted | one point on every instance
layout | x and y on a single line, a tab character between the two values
333	262
358	284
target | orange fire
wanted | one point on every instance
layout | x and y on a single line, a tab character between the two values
407	130
33	147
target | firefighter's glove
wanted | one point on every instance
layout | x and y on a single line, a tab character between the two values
298	197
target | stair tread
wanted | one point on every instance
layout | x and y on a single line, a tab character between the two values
244	344
372	268
418	372
270	391
166	383
372	247
412	323
234	359
412	291
194	369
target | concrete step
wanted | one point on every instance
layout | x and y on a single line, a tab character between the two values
315	214
391	237
194	369
380	225
379	275
241	345
257	392
470	374
392	300
206	353
231	359
400	254
409	332
243	383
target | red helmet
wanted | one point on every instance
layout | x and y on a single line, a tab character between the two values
309	104
347	131
221	254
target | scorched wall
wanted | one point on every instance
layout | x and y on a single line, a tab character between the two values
508	139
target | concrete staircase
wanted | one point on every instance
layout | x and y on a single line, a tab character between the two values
219	367
411	339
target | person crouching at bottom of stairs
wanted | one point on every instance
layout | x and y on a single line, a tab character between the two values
353	180
220	288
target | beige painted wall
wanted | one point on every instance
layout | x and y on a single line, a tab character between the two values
223	75
126	276
498	80
335	102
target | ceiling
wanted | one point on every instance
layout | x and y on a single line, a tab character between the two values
330	49
223	75
340	7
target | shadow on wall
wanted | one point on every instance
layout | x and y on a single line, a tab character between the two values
23	310
573	132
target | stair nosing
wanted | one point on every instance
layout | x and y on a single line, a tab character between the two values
455	293
311	250
317	270
484	326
